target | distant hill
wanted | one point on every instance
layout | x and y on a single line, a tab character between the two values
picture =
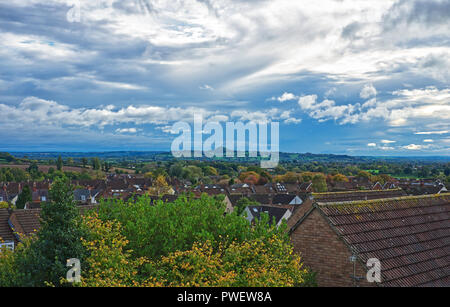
144	156
6	157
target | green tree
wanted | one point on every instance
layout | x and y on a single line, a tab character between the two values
107	263
8	175
157	230
160	186
424	172
33	168
106	166
255	263
407	170
243	203
319	183
24	197
59	239
306	176
192	173
364	174
210	171
59	163
84	162
96	164
447	171
176	170
7	156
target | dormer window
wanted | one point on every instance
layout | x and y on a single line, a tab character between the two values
83	197
43	198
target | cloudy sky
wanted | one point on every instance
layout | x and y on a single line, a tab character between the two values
358	77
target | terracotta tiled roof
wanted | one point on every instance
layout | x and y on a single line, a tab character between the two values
6	233
117	184
409	235
357	195
25	222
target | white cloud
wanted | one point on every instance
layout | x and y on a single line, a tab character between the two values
325	110
266	116
428	105
428	141
292	120
432	132
239	44
368	91
287	97
387	141
37	111
415	147
127	130
372	145
307	102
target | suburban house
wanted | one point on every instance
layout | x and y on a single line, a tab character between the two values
241	188
39	195
211	189
3	196
276	215
19	223
377	186
389	185
306	187
409	235
286	199
425	189
86	196
289	200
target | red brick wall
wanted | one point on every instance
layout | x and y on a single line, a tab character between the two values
323	252
299	212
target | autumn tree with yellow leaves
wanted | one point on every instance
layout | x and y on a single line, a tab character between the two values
188	242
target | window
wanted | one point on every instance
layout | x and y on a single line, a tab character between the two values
43	198
7	245
1	198
83	197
